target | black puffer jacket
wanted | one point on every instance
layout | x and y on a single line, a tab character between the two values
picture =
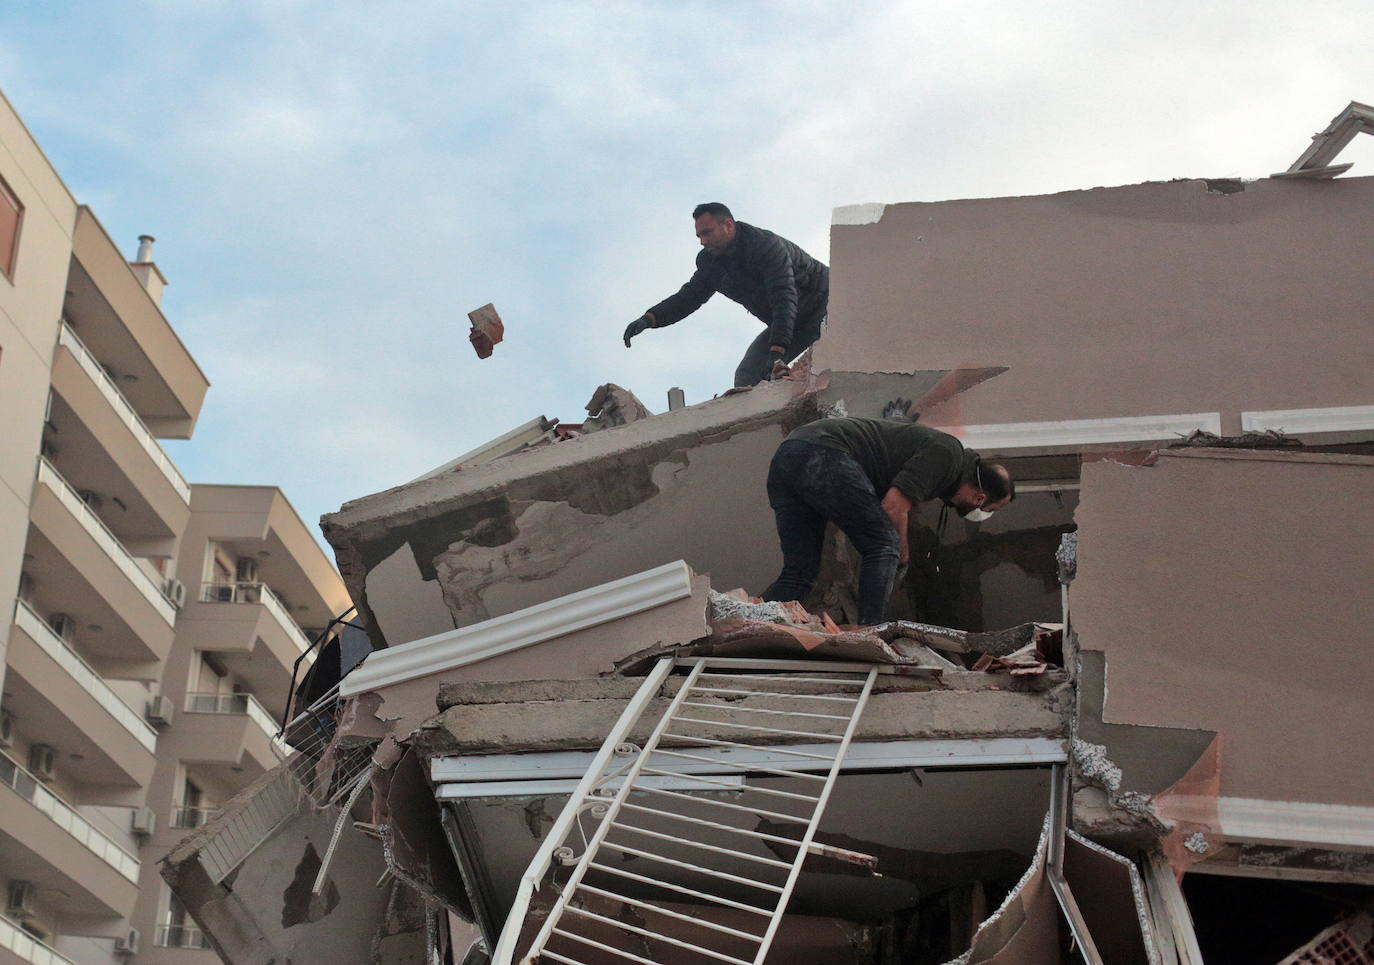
772	278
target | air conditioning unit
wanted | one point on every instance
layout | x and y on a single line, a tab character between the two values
127	944
64	625
175	590
91	498
19	899
43	761
6	728
159	711
143	821
247	571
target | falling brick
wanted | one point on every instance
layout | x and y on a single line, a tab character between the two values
487	329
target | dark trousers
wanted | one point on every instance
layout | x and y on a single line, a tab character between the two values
810	485
757	364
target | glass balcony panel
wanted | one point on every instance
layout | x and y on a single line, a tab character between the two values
37	628
180	936
27	948
126	412
107	540
67	818
203	703
241	592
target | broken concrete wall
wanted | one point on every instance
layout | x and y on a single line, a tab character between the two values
1160	298
468	545
264	910
1227	591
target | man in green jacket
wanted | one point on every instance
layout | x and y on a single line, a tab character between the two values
865	475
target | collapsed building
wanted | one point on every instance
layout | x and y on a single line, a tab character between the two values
1123	721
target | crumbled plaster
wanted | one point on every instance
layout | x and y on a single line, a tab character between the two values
1067	557
870	212
1094	765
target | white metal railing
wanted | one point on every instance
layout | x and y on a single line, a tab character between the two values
183	817
67	818
82	672
180	936
713	835
110	543
125	411
255	592
206	703
29	949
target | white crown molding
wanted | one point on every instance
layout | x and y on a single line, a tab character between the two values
1297	823
1082	432
523	628
1341	418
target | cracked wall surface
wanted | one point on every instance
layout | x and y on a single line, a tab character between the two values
468	545
1227	591
1166	297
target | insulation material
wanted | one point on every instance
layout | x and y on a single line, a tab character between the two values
1109	893
1198	835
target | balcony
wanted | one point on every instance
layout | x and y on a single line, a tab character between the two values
51	685
251	633
140	431
180	936
26	948
184	817
231	736
48	841
84	543
123	325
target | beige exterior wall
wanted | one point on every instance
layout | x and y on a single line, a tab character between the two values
92	372
1151	299
1229	592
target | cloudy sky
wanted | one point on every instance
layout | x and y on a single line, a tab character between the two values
334	185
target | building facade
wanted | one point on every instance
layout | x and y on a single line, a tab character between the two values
149	627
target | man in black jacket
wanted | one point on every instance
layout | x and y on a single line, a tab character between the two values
772	278
865	475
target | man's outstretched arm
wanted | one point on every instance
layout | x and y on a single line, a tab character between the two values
675	307
898	509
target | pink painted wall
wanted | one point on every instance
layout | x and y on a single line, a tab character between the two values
1230	591
1150	299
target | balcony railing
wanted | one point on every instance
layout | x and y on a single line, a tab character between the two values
193	817
82	672
29	949
107	540
201	703
125	411
67	818
180	936
242	592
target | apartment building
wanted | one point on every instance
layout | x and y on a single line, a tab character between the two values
1146	743
149	627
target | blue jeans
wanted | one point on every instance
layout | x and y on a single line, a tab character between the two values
810	485
757	364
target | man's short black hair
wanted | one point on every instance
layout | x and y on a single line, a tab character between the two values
714	208
995	480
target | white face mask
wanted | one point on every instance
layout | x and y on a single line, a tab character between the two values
977	515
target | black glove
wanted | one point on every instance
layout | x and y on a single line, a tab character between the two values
638	325
898	410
